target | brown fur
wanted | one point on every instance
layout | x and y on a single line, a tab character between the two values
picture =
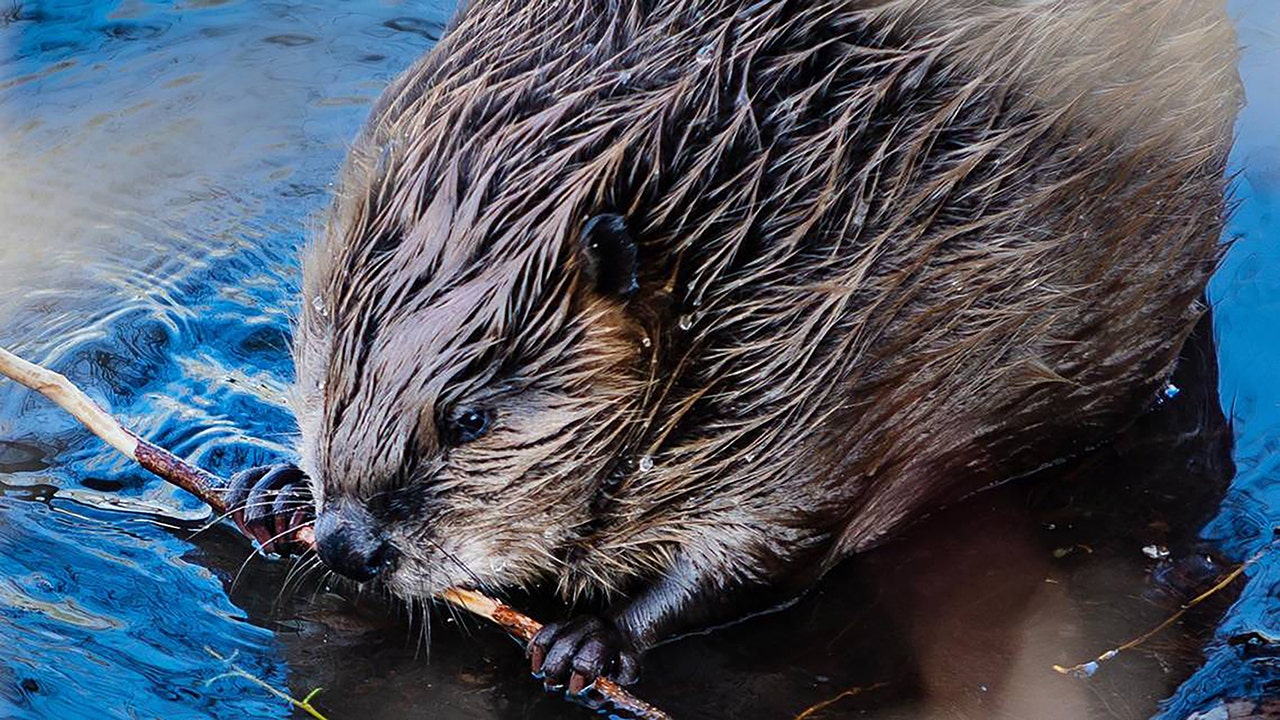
890	251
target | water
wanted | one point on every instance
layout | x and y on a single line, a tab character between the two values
163	161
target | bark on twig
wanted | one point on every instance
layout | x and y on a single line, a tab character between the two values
209	489
1087	669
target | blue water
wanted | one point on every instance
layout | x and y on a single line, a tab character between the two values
1245	294
162	162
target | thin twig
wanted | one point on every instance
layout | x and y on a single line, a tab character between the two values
815	709
208	488
1087	669
236	671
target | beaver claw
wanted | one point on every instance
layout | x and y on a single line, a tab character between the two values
578	652
268	503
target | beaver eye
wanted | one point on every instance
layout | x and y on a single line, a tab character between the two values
466	425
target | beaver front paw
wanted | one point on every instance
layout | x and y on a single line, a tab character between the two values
578	652
268	503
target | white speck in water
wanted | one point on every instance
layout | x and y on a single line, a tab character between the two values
1218	712
646	463
686	321
705	53
317	302
1156	552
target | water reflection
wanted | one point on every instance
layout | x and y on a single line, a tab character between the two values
162	162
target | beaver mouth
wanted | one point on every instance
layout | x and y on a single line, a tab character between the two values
424	575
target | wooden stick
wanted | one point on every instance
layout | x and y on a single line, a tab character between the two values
1087	669
208	488
236	671
523	628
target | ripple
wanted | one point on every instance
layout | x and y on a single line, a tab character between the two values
289	40
417	26
133	31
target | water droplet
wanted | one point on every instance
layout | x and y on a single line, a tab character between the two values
646	463
317	302
705	53
1171	391
686	321
624	77
646	342
627	465
860	212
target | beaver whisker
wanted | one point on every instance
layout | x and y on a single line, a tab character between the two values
480	583
257	553
303	566
217	518
423	636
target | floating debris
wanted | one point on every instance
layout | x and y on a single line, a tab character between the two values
1156	552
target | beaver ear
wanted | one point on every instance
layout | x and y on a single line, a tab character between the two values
609	255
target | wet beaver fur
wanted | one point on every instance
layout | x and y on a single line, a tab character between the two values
669	303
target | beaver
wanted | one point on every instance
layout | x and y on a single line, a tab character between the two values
667	305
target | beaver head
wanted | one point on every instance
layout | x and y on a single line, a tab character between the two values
466	390
471	355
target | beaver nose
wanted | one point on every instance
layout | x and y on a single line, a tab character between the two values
349	541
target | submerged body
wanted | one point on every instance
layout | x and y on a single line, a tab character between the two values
663	303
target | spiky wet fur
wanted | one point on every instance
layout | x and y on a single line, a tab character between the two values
891	251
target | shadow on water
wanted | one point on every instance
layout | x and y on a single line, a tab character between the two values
162	161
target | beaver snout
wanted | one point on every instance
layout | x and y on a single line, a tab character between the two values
350	541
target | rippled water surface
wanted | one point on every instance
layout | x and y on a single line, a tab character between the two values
161	162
